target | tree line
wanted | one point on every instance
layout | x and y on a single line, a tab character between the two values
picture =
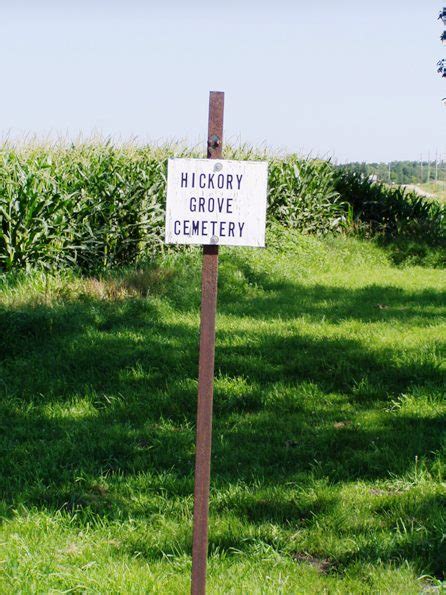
401	172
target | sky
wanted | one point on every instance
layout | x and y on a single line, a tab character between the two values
349	80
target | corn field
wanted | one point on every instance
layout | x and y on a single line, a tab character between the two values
95	205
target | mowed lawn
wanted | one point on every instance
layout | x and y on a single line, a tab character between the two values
329	453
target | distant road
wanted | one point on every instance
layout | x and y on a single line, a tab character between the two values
433	190
418	190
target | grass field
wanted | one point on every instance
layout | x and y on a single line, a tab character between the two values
329	458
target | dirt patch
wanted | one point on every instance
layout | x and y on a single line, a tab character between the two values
339	425
322	565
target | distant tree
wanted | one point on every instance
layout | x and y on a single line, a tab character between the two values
401	172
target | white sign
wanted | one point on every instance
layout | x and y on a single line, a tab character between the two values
212	201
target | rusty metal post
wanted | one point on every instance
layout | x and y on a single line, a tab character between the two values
206	372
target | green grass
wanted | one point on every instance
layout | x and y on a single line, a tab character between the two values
328	471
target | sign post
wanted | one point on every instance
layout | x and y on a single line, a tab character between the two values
212	202
206	371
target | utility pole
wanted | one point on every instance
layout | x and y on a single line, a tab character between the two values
441	64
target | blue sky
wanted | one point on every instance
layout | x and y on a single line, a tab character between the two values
352	80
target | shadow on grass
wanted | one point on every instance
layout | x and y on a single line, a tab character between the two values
288	300
413	251
94	388
419	524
